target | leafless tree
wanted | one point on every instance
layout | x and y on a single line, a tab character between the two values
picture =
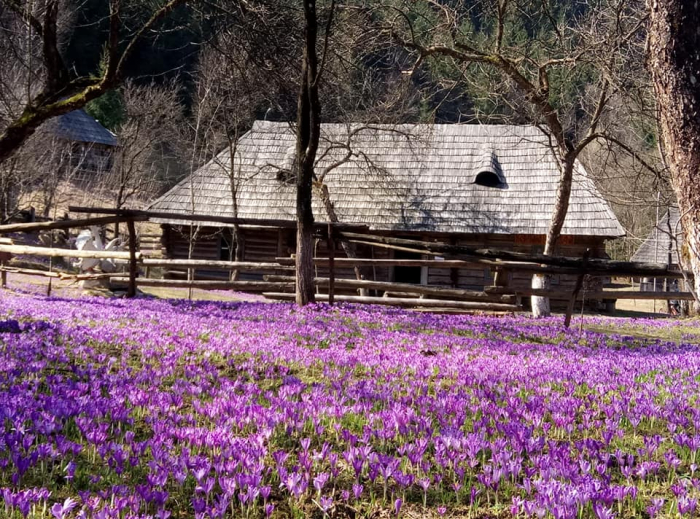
229	92
565	78
308	137
637	196
41	84
48	171
148	144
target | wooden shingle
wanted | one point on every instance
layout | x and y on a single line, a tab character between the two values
405	177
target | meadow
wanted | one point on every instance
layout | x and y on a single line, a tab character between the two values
163	408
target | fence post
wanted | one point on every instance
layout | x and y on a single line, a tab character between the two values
577	289
331	264
133	267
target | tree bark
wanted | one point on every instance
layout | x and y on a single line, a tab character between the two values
308	137
673	60
237	235
540	305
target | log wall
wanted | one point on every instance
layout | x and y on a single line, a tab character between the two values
264	245
259	245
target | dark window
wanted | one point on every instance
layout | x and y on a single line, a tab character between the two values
488	179
226	246
407	274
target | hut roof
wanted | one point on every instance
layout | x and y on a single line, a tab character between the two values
439	178
78	126
663	238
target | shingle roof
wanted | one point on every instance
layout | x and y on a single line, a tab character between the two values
78	126
660	240
407	177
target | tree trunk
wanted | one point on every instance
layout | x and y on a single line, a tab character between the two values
237	253
308	137
238	244
540	305
674	63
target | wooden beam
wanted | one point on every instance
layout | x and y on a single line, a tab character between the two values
599	295
66	253
331	265
476	262
214	265
209	218
574	294
592	266
86	276
133	266
242	286
406	303
56	275
406	288
394	247
60	224
30	272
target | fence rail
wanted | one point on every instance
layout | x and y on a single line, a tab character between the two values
278	284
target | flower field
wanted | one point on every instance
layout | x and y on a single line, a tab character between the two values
147	408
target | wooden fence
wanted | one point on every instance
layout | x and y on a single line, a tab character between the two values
278	283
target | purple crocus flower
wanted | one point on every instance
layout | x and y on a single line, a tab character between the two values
59	511
357	490
655	507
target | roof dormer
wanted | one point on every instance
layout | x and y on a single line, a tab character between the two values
488	172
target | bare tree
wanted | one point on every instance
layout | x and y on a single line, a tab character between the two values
49	170
589	51
148	140
50	87
674	63
229	92
308	136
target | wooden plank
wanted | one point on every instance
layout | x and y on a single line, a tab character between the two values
29	250
87	276
592	266
242	286
214	265
598	295
406	303
405	288
61	224
133	266
368	262
185	217
29	272
56	275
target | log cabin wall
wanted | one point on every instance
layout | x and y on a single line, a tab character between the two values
264	245
259	245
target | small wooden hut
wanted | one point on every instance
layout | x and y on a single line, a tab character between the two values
477	185
91	145
662	245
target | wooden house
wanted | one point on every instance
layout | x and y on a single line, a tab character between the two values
90	146
477	185
662	245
